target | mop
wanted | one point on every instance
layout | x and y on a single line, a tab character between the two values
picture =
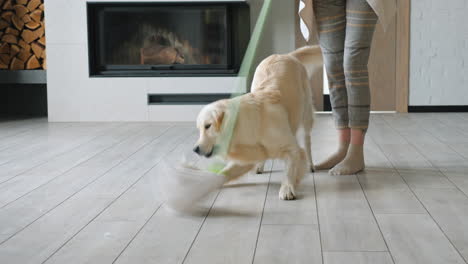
183	185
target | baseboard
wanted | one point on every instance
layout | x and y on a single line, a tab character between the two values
437	108
413	109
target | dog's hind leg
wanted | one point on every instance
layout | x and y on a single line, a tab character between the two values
308	122
308	148
305	143
296	169
304	139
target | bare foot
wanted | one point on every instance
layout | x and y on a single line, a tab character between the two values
352	163
344	137
335	158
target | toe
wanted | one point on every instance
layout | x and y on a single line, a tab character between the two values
338	170
335	172
343	171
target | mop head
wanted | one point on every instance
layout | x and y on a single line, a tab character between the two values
215	168
184	185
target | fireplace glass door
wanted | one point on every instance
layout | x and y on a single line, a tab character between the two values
133	39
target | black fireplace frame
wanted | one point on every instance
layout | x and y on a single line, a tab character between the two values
234	60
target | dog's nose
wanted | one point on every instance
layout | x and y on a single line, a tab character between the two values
197	149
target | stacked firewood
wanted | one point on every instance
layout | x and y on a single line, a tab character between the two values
22	35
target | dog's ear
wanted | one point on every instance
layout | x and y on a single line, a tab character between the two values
219	120
221	108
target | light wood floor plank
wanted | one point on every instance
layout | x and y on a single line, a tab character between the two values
375	159
302	211
8	122
461	148
45	135
416	239
279	244
357	258
322	149
166	238
27	158
23	183
430	123
230	231
106	237
458	176
440	154
426	179
388	193
453	121
46	235
15	128
30	207
346	221
32	136
449	208
85	193
384	134
402	123
464	116
406	157
178	233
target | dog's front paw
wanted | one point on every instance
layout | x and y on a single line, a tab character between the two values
287	192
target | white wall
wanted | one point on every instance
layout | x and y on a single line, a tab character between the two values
439	52
282	28
279	34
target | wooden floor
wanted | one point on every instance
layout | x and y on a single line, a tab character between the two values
85	193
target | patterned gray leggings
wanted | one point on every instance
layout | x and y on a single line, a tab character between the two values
345	31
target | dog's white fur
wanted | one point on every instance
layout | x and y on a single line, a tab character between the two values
268	120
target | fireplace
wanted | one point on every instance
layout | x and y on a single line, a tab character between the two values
134	39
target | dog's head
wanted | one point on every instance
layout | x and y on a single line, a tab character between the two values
209	123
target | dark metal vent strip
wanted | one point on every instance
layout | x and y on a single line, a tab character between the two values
185	99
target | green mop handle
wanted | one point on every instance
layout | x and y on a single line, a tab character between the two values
244	73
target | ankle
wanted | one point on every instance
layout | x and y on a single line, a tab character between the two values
344	136
357	136
343	146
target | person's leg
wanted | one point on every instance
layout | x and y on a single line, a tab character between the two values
360	26
331	22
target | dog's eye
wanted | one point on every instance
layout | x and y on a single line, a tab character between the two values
207	126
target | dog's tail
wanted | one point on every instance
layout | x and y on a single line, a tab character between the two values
310	57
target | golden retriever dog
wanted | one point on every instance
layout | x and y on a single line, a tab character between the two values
269	117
